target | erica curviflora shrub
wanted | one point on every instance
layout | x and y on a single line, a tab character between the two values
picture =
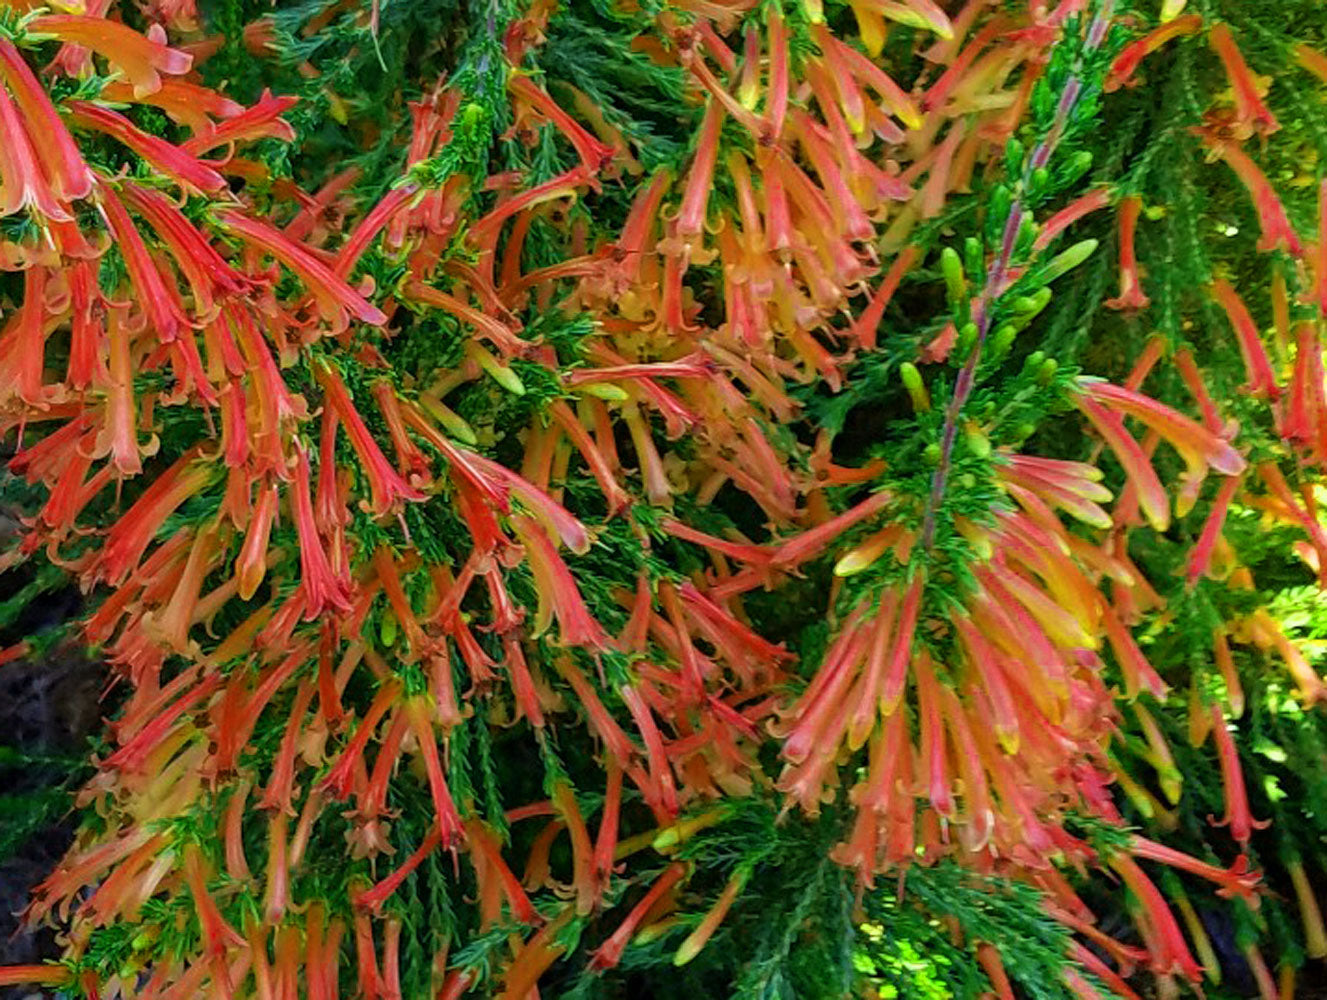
612	500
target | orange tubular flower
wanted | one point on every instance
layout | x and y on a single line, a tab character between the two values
136	528
1250	113
557	592
1166	943
1127	62
51	975
23	183
1137	467
189	104
1235	882
322	589
137	56
450	827
162	155
335	299
610	952
1238	816
1277	232
1131	290
62	163
1261	382
1186	436
262	120
385	484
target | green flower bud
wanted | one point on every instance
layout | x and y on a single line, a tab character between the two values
1070	259
1013	156
956	285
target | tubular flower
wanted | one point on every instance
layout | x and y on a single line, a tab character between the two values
335	299
1261	381
165	157
139	58
1251	115
1131	290
1277	232
23	181
1128	61
61	162
1238	817
452	468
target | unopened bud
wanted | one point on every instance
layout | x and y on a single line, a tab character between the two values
912	381
1070	259
956	285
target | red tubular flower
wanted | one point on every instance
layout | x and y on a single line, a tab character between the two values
385	484
606	840
1127	62
610	952
450	826
557	592
335	299
1142	477
162	155
189	104
1251	114
23	344
842	58
1131	290
62	163
1197	445
260	121
498	333
1201	556
615	741
133	532
51	975
582	853
1277	232
204	268
218	936
175	619
158	302
1235	882
1238	816
138	57
698	938
338	780
1080	208
322	589
1261	382
593	153
1169	951
23	183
